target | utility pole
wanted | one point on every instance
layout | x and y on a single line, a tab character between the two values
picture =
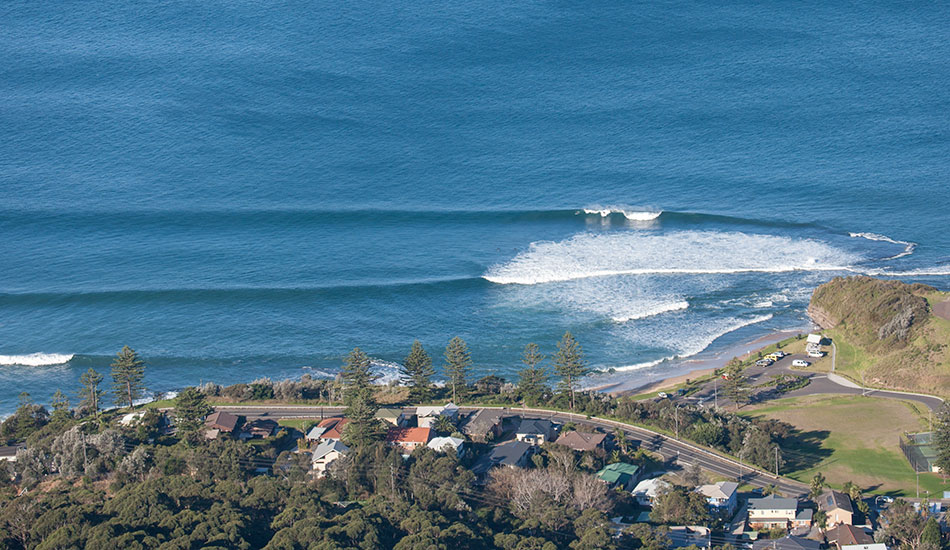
776	461
716	390
676	418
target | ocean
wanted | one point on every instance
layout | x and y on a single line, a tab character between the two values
240	190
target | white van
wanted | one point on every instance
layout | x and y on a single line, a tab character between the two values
816	354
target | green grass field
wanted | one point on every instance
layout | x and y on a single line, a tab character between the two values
852	438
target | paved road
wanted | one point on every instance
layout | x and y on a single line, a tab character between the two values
820	384
672	450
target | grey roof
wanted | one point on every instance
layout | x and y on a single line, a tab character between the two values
389	412
8	452
535	426
833	499
508	453
773	502
723	489
581	441
786	543
326	447
482	421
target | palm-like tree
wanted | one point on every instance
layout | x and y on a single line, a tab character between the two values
443	424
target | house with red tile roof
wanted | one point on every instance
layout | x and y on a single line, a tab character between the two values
408	439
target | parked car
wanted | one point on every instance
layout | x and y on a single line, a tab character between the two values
763	362
800	363
663	395
816	354
779	354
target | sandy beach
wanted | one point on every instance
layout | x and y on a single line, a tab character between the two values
703	365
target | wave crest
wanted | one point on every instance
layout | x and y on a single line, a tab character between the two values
36	359
658	310
632	215
909	247
686	252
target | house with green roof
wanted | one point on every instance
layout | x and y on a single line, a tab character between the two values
619	474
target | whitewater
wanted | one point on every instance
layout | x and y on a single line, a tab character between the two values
258	192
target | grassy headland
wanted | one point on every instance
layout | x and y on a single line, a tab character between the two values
886	333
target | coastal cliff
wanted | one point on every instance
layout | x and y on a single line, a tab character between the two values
886	333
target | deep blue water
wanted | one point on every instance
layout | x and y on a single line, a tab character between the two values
240	189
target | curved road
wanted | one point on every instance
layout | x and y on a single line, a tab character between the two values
671	449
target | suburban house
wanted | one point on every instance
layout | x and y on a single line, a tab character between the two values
682	536
131	418
329	429
581	441
513	454
426	415
448	444
8	453
484	425
647	491
787	542
259	428
535	431
619	474
394	416
222	421
721	496
408	439
325	453
773	512
847	535
837	507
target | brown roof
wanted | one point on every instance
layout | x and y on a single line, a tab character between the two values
262	426
333	426
409	435
832	500
581	441
844	534
223	421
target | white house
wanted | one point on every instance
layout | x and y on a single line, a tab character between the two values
425	416
447	444
325	453
721	496
647	491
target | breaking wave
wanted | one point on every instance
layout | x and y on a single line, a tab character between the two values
632	215
658	310
908	246
36	359
646	365
686	252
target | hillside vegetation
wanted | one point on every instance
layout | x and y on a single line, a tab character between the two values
886	333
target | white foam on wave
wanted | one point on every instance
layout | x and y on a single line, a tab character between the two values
697	346
657	310
589	255
926	272
646	365
36	359
388	371
908	246
632	215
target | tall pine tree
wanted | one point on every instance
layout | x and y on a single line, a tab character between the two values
363	428
128	372
89	394
458	361
191	408
735	385
532	379
569	364
417	372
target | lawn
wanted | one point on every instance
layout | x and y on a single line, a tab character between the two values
852	438
301	424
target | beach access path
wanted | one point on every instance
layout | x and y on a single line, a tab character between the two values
675	451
